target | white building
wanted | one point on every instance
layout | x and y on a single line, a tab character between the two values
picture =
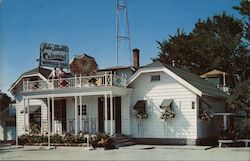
151	85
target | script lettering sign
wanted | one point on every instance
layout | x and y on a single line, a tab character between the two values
54	55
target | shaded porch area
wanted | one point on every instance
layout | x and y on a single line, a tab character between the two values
86	112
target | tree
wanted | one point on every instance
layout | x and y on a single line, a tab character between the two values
244	10
214	43
5	100
240	97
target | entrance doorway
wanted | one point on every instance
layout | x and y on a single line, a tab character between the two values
59	115
116	112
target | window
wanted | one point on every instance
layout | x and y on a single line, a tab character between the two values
193	105
84	110
155	78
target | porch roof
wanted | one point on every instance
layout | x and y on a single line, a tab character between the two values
90	91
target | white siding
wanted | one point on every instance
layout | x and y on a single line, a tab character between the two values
20	116
182	126
125	115
212	127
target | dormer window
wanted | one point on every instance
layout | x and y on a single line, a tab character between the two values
155	78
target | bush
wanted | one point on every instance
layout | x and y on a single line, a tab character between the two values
56	139
80	139
68	138
30	139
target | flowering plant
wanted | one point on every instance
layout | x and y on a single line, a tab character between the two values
141	115
167	114
205	115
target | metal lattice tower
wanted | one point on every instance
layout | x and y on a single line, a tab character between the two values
122	29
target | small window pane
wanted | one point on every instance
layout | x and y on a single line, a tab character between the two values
155	78
84	110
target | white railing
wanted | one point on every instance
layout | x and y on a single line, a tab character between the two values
76	82
223	88
89	125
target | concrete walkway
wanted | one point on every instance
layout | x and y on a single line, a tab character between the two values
136	152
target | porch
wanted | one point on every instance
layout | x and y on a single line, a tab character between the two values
105	80
91	110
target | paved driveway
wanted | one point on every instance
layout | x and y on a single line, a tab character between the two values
137	152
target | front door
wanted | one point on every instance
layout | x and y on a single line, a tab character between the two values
117	113
118	125
60	115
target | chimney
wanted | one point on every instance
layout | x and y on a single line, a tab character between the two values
136	57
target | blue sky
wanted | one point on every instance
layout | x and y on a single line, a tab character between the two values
88	26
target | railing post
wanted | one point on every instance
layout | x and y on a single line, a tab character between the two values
24	88
80	80
75	80
111	79
52	83
106	80
27	85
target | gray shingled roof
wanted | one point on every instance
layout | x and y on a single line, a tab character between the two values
44	72
204	86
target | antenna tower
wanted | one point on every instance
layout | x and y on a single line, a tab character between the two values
122	29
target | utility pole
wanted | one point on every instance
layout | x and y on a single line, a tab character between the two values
122	29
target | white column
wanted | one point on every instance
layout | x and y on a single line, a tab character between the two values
81	113
106	113
48	112
224	79
111	114
53	115
76	110
24	116
28	114
224	122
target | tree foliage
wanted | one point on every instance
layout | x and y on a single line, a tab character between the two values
214	43
240	97
5	100
244	10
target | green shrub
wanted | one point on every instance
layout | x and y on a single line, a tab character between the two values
56	139
69	138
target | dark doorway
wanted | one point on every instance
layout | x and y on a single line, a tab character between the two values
101	114
118	124
116	112
59	112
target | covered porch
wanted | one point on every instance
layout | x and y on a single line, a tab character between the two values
91	110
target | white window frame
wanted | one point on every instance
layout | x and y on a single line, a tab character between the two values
155	76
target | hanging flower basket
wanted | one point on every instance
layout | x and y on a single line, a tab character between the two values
141	115
167	114
205	115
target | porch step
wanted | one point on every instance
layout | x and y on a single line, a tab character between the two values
123	140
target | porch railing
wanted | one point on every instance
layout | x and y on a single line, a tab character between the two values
76	82
89	125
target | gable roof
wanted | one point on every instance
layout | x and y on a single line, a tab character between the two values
42	72
187	79
117	68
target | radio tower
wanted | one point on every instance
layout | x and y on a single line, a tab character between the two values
122	29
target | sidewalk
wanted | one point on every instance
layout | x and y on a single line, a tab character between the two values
135	152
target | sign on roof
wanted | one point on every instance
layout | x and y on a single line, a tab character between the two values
54	55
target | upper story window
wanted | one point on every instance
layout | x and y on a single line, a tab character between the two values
155	78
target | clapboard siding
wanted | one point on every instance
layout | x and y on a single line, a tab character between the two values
20	116
125	115
213	127
182	126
